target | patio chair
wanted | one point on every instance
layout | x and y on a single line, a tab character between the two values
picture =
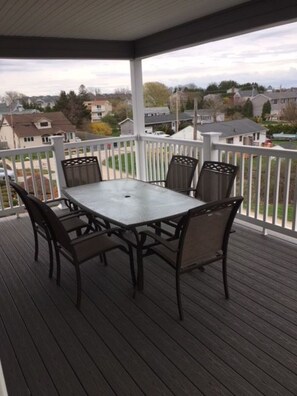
70	221
215	181
180	173
200	239
81	170
80	249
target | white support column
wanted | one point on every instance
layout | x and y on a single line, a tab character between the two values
59	155
138	116
209	154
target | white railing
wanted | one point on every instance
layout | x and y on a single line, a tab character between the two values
36	168
267	178
268	181
159	151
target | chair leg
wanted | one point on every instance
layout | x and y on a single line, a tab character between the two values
78	286
58	262
36	244
178	296
132	269
51	258
225	277
103	258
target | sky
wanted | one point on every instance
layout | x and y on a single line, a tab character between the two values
268	57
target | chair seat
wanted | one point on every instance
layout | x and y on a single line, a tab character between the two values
73	224
90	247
171	256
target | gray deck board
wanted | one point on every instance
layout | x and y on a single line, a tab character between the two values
125	346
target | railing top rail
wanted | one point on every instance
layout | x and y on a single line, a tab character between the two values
96	142
266	151
20	151
188	142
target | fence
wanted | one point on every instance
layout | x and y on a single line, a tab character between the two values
267	177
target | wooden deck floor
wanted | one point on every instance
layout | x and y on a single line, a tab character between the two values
120	346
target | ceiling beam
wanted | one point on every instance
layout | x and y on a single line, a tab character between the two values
62	48
246	17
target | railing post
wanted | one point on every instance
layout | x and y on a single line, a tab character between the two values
59	155
209	153
138	117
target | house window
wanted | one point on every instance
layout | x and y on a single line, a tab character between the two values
254	136
230	140
240	138
274	101
29	139
98	106
45	139
44	124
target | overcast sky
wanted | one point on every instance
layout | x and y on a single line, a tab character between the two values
268	57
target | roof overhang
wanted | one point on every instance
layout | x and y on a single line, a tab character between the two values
227	22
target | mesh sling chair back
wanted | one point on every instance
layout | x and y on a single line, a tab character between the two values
80	249
71	222
201	238
215	181
81	170
180	173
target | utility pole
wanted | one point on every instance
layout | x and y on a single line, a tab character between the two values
177	106
195	119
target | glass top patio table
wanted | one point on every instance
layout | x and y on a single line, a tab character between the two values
130	203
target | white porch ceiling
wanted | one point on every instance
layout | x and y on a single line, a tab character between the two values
101	19
127	29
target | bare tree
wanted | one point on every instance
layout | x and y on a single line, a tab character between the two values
216	105
289	113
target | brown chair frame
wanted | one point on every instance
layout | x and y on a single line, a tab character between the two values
71	222
180	174
201	238
81	170
80	249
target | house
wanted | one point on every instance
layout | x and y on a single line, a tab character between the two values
156	111
98	109
278	101
205	116
34	129
240	132
241	96
153	123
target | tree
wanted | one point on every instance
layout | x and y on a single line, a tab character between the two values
212	88
12	97
266	109
156	94
227	84
289	113
72	106
247	109
101	128
216	105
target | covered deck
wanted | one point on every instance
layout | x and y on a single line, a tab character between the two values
125	346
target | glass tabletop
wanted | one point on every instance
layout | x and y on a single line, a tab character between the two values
130	202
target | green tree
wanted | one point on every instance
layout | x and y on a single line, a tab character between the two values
266	109
155	94
227	84
212	88
247	109
72	106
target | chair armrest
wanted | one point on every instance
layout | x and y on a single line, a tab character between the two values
157	238
81	239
